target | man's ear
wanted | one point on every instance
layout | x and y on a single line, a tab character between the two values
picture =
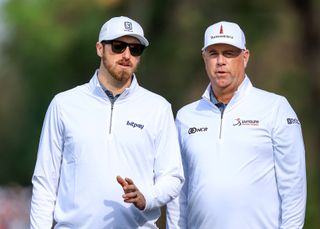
99	48
246	59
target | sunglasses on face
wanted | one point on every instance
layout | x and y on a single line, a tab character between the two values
120	47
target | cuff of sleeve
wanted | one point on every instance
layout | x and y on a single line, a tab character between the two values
149	197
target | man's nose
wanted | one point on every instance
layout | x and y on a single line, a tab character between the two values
126	53
221	59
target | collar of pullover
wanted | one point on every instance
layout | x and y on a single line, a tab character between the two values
242	90
98	90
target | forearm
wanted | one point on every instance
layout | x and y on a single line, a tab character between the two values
164	190
42	205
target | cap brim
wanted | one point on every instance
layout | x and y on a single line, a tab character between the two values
222	42
142	40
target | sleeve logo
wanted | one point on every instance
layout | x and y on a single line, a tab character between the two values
291	121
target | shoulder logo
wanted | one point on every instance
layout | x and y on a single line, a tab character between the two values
245	122
134	125
193	130
291	121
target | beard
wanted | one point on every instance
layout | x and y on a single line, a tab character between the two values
118	73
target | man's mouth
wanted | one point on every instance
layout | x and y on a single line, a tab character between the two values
125	64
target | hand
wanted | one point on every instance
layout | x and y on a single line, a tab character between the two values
131	193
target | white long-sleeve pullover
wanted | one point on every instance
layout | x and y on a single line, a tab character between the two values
244	168
86	142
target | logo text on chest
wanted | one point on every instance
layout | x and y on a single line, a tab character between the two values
134	125
242	122
194	130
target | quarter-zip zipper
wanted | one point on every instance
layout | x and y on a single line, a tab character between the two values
221	120
111	114
221	107
221	116
112	101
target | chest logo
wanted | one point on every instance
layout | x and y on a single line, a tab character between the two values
245	122
194	130
134	125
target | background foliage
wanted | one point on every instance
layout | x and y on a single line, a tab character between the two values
49	46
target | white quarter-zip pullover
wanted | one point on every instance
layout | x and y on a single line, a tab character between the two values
86	142
245	169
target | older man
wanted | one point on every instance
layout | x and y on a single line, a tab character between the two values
242	148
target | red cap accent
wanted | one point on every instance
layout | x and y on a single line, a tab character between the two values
221	29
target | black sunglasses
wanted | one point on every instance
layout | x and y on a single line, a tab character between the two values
120	46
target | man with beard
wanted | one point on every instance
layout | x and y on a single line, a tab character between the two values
108	155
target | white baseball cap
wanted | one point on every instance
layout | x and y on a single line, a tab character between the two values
224	33
122	26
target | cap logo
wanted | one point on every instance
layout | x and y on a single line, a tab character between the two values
221	29
128	25
221	35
